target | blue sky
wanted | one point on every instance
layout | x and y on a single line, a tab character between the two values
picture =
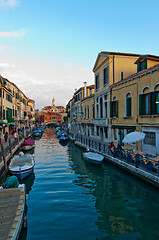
48	48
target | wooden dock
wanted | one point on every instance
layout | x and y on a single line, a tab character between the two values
12	211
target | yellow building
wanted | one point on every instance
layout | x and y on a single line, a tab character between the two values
133	105
80	110
13	106
109	68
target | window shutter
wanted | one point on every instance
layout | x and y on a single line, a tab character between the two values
152	103
4	117
128	107
140	104
107	76
145	63
116	110
111	109
138	67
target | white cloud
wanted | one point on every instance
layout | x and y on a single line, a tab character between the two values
15	34
42	81
8	3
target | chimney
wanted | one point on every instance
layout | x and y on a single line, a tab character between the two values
85	89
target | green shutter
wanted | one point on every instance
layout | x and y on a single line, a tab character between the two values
140	104
145	63
128	107
138	67
116	109
152	103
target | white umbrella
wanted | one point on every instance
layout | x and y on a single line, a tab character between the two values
134	137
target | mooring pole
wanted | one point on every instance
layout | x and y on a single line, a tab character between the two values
10	147
4	157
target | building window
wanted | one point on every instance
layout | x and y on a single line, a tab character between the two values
114	108
150	138
146	102
97	110
92	130
115	133
128	106
97	128
97	81
105	106
105	75
87	112
142	65
106	132
93	111
156	104
101	107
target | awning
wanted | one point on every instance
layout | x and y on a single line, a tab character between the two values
2	122
14	124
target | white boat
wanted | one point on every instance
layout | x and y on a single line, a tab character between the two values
28	144
94	158
22	165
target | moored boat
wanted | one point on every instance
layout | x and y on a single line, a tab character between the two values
94	158
22	165
37	133
28	144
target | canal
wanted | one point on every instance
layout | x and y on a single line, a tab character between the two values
70	199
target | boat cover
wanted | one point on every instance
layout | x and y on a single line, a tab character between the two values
28	142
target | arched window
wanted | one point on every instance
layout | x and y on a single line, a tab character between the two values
145	102
101	107
93	111
97	108
156	99
128	105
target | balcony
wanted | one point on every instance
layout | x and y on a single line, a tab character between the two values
101	122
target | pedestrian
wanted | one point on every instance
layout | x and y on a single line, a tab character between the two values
6	136
137	160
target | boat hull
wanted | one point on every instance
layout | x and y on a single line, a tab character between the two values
93	158
22	166
22	174
27	147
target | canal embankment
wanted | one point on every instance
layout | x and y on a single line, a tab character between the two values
101	147
9	147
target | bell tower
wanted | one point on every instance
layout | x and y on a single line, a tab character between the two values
53	102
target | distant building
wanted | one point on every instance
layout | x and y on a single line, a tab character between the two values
52	113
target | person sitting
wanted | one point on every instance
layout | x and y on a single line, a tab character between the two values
111	145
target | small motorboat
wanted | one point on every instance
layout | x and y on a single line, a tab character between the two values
22	165
28	144
63	139
94	158
37	133
59	134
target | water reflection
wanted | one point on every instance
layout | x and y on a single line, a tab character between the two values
28	181
73	199
127	207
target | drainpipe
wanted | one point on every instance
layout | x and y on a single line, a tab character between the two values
85	89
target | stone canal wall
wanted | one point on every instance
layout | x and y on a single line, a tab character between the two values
102	148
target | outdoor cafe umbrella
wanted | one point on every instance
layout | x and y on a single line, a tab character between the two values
133	137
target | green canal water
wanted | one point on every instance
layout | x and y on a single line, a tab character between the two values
70	199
